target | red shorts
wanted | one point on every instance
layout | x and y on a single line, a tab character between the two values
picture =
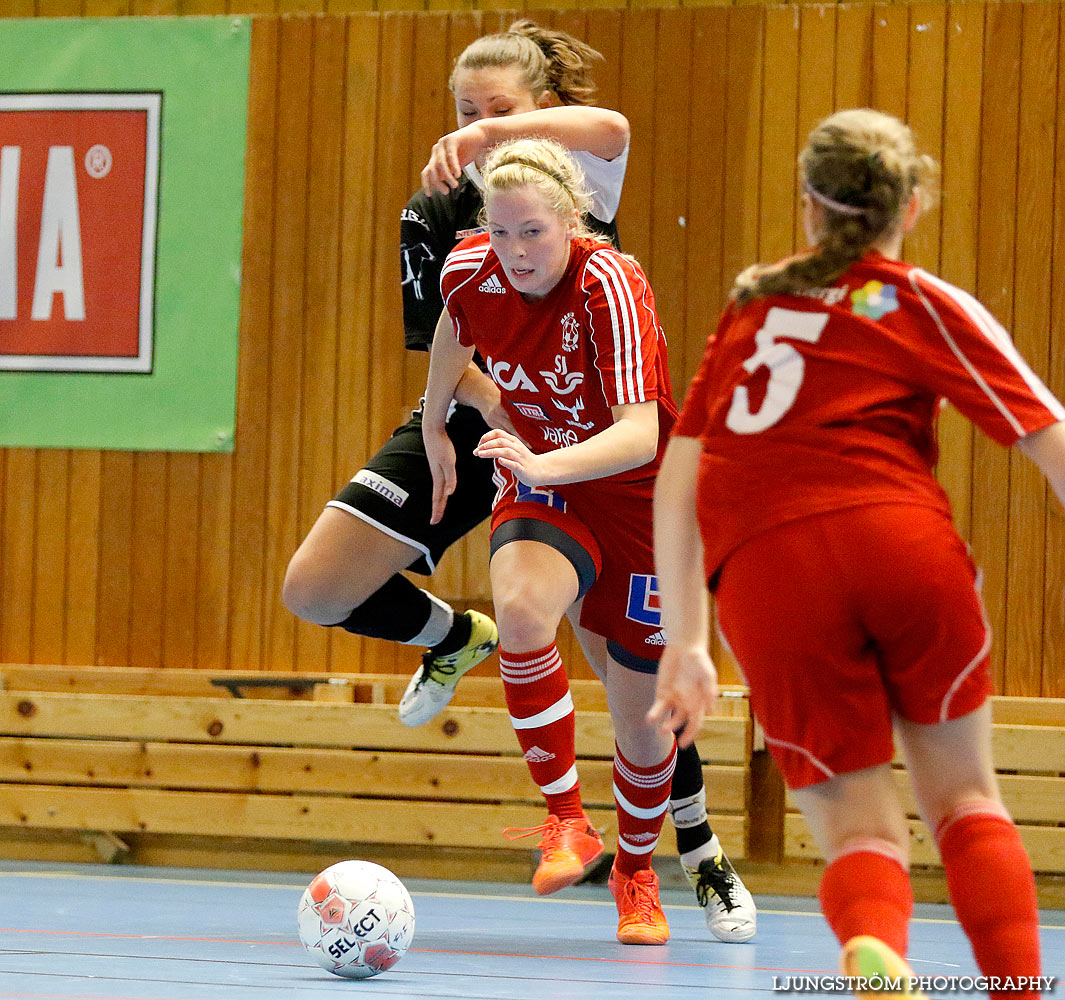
605	529
841	620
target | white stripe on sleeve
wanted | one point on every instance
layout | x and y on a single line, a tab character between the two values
996	335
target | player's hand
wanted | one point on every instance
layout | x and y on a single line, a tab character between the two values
441	454
450	154
512	453
685	692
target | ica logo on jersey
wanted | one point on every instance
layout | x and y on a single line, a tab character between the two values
501	375
78	203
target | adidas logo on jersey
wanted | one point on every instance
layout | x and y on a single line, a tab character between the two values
534	755
658	639
492	285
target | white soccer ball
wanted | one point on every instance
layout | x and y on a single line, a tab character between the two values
356	919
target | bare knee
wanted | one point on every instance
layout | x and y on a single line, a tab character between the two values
307	594
525	616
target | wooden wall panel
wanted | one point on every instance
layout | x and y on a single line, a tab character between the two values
177	560
994	287
1053	679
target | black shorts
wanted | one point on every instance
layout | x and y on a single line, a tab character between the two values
394	490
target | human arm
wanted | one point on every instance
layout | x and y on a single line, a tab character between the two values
448	361
478	390
687	679
1046	448
629	442
598	131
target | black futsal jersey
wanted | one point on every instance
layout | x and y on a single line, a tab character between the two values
429	228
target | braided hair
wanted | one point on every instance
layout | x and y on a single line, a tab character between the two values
861	167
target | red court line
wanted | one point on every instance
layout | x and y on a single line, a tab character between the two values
424	951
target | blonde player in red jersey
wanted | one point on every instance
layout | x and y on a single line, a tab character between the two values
568	330
804	454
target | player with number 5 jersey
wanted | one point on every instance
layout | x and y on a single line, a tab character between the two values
803	461
568	330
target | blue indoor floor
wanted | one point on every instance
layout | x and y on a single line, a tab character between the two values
163	934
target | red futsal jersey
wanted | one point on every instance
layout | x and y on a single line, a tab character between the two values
561	362
817	402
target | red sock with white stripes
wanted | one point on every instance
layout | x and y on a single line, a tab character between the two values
541	711
866	890
642	796
992	888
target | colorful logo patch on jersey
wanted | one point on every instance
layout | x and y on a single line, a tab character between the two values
532	411
644	606
875	299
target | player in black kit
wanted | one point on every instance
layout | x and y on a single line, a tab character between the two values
348	570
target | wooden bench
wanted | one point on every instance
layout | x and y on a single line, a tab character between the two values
1028	741
265	770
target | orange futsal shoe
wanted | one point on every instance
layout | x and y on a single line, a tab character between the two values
567	847
640	916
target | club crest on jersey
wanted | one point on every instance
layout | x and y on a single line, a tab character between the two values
875	299
562	380
492	285
518	380
571	332
644	606
532	411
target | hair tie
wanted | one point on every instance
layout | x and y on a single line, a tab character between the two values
831	203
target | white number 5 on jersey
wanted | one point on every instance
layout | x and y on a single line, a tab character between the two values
785	364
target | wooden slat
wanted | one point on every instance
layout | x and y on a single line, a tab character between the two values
743	91
995	253
299	817
148	555
82	557
316	476
1045	845
1053	679
428	776
1030	798
115	601
287	332
246	585
959	224
466	730
1032	319
817	26
485	691
180	592
16	572
780	98
49	563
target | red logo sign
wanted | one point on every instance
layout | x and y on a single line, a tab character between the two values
78	204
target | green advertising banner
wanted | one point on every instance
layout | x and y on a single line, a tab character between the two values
121	200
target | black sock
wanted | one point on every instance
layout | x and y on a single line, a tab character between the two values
688	781
397	611
457	637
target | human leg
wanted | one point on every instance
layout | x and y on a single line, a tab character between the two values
532	586
957	791
347	571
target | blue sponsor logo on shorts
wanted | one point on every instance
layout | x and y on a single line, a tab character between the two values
644	606
538	494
